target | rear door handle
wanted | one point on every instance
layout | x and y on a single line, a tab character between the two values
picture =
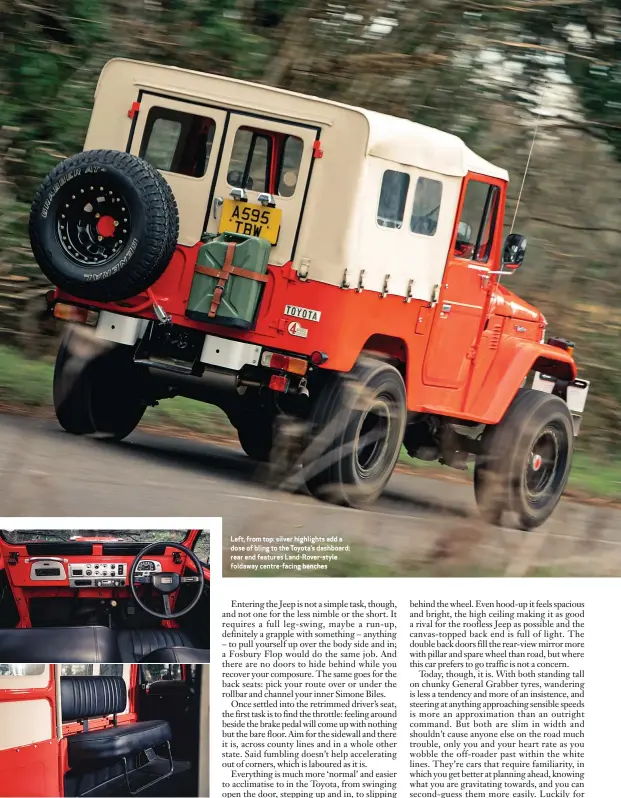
218	201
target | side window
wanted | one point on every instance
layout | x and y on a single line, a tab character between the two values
393	194
177	142
107	669
11	669
289	170
156	673
249	166
426	207
477	223
76	670
201	549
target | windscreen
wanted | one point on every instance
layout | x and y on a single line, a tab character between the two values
144	536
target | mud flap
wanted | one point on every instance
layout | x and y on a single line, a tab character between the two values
574	393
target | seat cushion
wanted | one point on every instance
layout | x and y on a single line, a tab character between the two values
92	748
181	654
91	696
136	644
64	644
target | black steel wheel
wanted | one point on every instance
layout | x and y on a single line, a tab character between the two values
356	431
104	225
525	460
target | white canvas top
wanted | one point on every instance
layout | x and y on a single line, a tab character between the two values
412	144
389	137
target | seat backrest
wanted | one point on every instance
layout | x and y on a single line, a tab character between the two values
85	697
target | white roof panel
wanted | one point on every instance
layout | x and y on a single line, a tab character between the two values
413	144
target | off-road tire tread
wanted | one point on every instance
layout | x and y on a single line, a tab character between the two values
162	220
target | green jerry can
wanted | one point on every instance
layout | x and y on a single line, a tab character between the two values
230	272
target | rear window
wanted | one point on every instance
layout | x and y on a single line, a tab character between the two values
393	194
249	167
290	161
177	142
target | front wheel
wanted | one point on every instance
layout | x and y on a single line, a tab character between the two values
97	392
525	460
357	428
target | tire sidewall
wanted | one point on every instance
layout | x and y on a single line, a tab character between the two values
559	419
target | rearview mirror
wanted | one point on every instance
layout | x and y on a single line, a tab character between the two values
513	251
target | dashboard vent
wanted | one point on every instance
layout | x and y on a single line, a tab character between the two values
124	549
57	547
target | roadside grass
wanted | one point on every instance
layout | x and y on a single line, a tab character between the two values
26	384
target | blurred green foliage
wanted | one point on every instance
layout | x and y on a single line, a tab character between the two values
478	68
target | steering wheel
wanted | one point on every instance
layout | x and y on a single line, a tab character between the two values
166	582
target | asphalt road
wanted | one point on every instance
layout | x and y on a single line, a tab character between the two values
46	472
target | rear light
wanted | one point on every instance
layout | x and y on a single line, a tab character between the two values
78	315
318	358
294	365
279	383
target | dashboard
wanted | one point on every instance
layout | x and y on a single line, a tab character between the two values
87	574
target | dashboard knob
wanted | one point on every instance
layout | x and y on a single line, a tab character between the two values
89	573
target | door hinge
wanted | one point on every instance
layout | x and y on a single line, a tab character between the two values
472	353
317	151
133	110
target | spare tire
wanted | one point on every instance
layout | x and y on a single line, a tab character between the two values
104	225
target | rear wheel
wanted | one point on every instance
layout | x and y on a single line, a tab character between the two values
256	437
525	460
100	393
357	428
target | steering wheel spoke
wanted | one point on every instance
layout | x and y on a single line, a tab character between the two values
167	609
186	579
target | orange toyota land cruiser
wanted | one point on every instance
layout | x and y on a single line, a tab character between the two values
104	730
284	256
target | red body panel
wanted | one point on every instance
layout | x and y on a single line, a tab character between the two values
33	770
463	355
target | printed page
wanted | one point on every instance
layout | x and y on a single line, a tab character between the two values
422	687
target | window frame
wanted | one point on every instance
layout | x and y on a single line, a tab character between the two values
379	199
491	206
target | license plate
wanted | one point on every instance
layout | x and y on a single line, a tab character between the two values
250	220
175	344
